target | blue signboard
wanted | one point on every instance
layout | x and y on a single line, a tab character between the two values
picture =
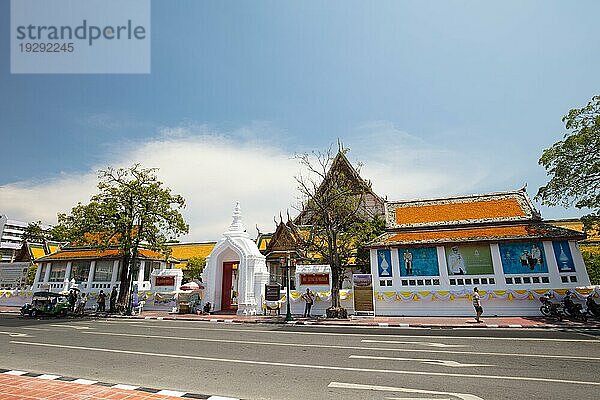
523	258
564	259
384	263
420	261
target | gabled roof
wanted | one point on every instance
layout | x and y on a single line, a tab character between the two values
500	207
476	234
341	163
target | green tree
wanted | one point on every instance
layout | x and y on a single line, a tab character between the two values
194	267
364	233
31	274
335	206
592	264
35	232
573	164
131	208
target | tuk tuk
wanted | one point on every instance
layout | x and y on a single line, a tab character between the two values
46	303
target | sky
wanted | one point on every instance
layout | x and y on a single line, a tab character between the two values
433	98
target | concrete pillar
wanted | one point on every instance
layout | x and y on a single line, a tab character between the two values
91	274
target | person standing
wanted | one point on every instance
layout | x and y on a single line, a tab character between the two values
101	301
72	300
477	305
113	300
309	299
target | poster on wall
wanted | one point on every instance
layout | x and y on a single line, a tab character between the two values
564	259
363	293
523	258
469	259
384	263
418	261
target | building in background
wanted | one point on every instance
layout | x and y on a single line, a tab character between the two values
11	237
436	251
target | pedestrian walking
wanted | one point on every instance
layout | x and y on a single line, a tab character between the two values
101	301
309	299
81	301
113	300
477	305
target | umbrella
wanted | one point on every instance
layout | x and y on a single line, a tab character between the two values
191	286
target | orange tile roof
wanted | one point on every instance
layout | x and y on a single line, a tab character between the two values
477	234
93	253
463	211
185	251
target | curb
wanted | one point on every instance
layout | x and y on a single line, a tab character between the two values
82	381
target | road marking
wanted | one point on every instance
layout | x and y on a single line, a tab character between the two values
79	327
15	334
249	330
441	363
307	366
342	385
428	344
417	398
332	346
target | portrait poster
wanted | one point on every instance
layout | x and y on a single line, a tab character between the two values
469	259
384	263
418	261
563	255
523	258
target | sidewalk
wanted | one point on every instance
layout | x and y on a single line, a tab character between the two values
20	385
403	322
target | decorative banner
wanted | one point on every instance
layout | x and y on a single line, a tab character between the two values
523	258
469	260
314	279
363	293
418	261
564	259
384	263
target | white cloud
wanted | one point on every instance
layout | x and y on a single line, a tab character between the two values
213	170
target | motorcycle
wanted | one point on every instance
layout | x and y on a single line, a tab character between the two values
550	309
592	307
572	309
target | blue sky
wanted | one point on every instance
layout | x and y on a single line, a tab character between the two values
435	98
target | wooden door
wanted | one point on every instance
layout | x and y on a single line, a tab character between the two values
226	287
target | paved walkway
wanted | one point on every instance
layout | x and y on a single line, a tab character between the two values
19	385
432	322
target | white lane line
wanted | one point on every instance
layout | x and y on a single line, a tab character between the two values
441	363
124	387
333	346
355	386
249	330
49	377
307	366
15	334
82	381
428	344
173	393
82	327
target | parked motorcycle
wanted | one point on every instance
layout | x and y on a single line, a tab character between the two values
549	308
592	307
572	309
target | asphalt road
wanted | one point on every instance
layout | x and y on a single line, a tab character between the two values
309	362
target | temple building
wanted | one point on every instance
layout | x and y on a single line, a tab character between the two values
435	251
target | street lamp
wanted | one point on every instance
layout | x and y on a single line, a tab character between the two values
286	261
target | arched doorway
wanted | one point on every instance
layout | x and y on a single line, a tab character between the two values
229	286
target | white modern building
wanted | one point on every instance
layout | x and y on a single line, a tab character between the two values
11	237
